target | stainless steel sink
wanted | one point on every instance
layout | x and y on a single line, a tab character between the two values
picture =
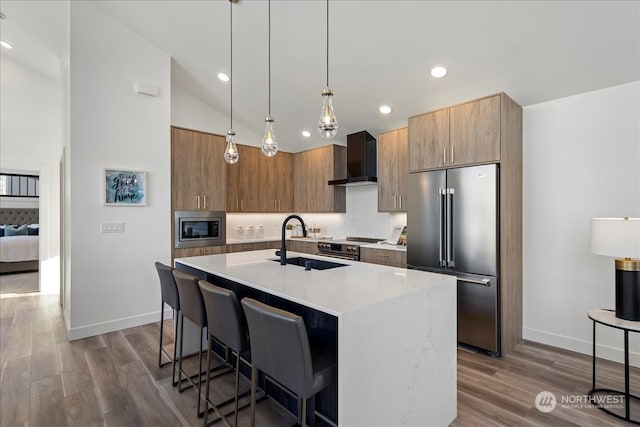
312	264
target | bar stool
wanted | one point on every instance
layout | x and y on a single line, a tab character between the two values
282	349
169	292
191	307
226	322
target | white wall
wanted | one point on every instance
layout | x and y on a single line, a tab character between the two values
114	284
581	160
30	141
189	112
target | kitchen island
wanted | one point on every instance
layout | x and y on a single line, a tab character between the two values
395	329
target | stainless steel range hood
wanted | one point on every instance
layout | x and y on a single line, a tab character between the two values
362	160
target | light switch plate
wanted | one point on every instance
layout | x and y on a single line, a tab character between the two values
112	227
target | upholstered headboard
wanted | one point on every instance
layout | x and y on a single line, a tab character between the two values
19	216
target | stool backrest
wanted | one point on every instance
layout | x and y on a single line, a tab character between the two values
280	345
191	303
168	286
225	320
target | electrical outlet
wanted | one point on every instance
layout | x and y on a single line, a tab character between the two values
112	227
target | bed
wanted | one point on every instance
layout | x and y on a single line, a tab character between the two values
19	253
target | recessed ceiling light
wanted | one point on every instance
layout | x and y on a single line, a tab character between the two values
223	77
306	133
5	44
384	109
438	71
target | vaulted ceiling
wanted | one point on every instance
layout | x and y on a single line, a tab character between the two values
380	52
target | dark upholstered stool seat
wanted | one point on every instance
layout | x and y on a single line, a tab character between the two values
169	294
225	322
191	307
282	349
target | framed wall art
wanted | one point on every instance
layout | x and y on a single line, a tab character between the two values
125	187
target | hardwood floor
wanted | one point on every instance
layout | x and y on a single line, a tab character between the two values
113	379
18	283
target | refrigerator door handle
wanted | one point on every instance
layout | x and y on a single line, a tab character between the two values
441	198
450	261
483	282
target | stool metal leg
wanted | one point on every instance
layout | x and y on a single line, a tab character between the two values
235	422
175	346
254	381
180	389
303	413
160	365
200	414
206	393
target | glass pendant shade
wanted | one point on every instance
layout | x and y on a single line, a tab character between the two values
269	143
327	125
231	154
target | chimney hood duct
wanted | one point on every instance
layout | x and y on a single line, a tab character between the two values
362	160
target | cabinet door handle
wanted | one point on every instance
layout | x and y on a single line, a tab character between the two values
400	197
204	198
395	202
237	204
444	155
198	202
452	153
241	204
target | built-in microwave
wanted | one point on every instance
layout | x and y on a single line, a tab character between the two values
195	229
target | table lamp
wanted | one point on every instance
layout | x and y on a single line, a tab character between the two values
620	238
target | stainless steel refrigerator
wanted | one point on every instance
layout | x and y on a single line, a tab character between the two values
452	223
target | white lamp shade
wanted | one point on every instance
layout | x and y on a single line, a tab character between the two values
616	237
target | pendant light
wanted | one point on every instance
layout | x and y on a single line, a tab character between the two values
327	125
269	143
231	154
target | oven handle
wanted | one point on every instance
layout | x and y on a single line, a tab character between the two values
345	257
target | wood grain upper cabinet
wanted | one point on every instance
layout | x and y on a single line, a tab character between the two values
465	134
475	132
197	170
393	170
276	183
428	140
311	172
243	181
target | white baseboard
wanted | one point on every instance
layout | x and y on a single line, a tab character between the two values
116	325
581	346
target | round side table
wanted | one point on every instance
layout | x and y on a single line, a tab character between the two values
608	318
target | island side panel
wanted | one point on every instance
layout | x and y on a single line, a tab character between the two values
397	361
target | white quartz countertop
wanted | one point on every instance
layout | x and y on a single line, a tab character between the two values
336	291
383	246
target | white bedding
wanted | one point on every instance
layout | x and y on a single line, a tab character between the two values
18	248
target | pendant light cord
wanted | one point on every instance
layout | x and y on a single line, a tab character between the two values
231	65
269	30
327	43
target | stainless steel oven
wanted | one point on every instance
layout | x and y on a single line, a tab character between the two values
195	229
341	250
344	249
